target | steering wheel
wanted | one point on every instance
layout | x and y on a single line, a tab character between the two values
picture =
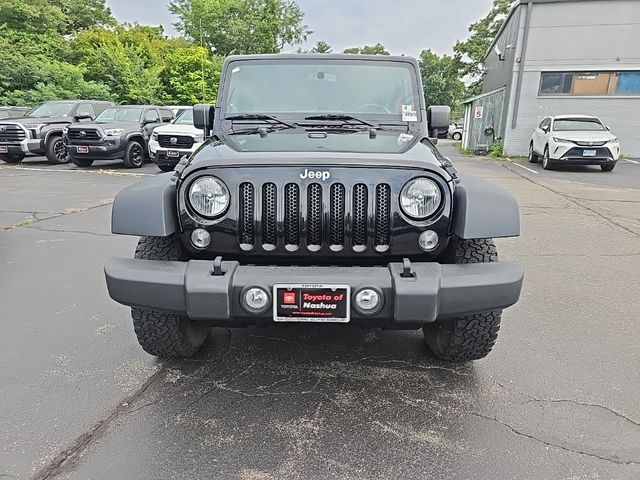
377	108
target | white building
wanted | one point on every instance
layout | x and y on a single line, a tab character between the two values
557	57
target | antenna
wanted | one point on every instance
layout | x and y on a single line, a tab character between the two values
202	47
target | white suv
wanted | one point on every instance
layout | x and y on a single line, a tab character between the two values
169	143
574	140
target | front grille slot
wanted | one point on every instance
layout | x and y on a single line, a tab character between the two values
90	134
383	214
269	213
292	214
246	217
359	212
336	215
314	215
11	133
176	141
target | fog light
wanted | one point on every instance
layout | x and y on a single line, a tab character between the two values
428	241
255	300
200	238
368	301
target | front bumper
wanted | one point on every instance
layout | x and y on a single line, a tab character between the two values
160	155
572	154
433	291
113	150
26	146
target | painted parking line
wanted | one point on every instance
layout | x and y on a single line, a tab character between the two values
100	171
522	166
632	161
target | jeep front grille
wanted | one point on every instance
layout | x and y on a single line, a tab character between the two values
10	132
83	134
331	216
176	141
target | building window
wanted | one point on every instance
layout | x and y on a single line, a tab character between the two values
590	84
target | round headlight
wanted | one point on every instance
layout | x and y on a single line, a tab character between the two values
420	198
209	197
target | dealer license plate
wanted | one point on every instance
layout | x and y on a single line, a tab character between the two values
173	153
312	303
82	149
4	149
589	153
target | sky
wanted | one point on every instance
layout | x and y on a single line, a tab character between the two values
403	26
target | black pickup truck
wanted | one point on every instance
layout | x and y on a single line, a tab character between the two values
323	201
39	132
120	132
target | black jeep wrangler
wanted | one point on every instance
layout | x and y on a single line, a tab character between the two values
118	132
318	197
39	132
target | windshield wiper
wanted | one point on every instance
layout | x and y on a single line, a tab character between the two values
338	117
263	131
258	116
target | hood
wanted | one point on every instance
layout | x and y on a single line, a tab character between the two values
585	136
126	126
173	129
39	120
297	148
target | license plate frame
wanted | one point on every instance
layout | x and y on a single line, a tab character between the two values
304	313
589	153
173	154
82	149
4	149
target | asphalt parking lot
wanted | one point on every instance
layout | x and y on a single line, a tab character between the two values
559	398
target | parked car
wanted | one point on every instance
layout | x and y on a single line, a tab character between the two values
336	209
178	109
118	132
169	143
455	131
574	140
13	112
39	132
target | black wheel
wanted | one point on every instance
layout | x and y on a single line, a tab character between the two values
82	162
164	334
57	151
608	168
533	156
12	157
547	164
134	154
457	136
166	168
469	337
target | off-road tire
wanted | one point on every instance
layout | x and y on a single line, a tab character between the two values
469	337
164	334
134	154
56	151
608	168
533	156
82	162
167	168
12	157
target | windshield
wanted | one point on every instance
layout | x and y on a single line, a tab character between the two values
358	88
120	115
185	118
53	109
577	125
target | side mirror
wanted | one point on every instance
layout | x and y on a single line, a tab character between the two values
150	121
608	127
203	115
439	117
83	117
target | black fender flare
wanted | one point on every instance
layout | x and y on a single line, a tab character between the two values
482	209
146	208
138	136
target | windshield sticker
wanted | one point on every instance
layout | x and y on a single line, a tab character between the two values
409	114
235	70
404	138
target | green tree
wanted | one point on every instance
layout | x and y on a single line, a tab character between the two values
377	49
191	75
241	26
83	14
34	16
321	47
442	85
471	52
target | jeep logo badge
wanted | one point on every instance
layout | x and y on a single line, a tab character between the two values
174	140
319	175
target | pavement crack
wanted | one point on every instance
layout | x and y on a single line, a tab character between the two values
82	232
35	219
520	433
67	459
581	404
